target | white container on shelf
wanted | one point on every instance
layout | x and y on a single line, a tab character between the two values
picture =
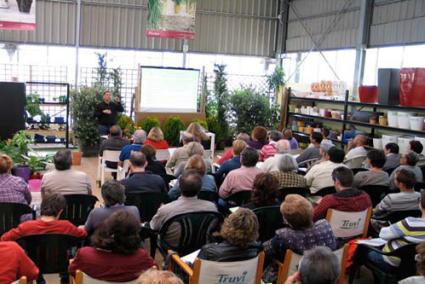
422	140
417	123
403	143
377	143
388	139
392	119
403	120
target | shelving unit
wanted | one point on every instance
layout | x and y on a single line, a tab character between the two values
49	91
346	104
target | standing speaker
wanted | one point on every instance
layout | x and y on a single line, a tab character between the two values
12	108
389	86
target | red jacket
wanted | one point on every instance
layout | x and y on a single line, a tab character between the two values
14	263
226	156
38	227
109	266
158	145
348	200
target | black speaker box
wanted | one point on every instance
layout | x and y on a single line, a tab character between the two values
389	86
12	108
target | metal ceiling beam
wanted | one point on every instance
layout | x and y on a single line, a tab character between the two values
282	27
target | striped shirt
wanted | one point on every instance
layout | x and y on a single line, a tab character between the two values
268	151
393	202
409	230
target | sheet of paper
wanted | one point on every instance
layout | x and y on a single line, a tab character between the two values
373	242
190	258
233	209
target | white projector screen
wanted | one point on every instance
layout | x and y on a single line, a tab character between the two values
169	90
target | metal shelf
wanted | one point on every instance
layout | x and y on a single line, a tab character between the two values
312	100
381	106
377	126
299	115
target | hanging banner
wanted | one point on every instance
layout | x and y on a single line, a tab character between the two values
171	19
17	15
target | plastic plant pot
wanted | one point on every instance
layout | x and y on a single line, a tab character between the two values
22	171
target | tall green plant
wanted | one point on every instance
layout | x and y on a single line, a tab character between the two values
277	79
115	77
102	71
127	125
172	128
148	123
221	95
154	13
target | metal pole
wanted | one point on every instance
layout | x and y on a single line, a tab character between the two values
77	43
185	50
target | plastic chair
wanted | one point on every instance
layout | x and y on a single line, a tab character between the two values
292	260
358	170
304	166
211	272
147	203
108	156
349	225
78	208
122	171
397	216
208	195
406	268
375	192
303	191
10	215
195	230
419	186
50	252
325	191
355	162
82	278
210	152
162	155
239	198
270	219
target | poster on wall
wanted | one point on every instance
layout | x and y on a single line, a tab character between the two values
171	19
17	14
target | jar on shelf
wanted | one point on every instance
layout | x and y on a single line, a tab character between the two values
383	121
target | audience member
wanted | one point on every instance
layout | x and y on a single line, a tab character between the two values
312	152
154	276
199	134
406	199
241	179
318	266
52	207
181	154
287	174
408	230
156	139
12	189
320	175
229	152
356	147
232	164
272	164
139	138
258	138
153	166
287	135
239	232
14	264
190	185
391	151
63	179
420	266
140	180
194	148
270	149
300	235
115	254
346	198
375	175
416	147
408	161
264	192
113	195
325	133
115	142
197	164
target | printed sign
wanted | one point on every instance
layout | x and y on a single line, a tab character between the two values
171	19
17	14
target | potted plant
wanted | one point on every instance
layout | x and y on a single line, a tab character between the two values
172	128
127	125
148	123
17	148
83	109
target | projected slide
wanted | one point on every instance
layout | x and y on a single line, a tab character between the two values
169	90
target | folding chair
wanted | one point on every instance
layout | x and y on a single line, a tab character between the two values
303	191
304	166
211	272
239	198
292	260
270	219
82	278
375	192
162	155
122	171
325	191
108	156
355	162
349	225
10	215
78	208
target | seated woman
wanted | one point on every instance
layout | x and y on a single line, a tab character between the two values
193	148
116	254
264	192
154	166
287	175
197	164
199	134
12	189
156	139
229	152
239	233
287	135
258	138
155	276
300	235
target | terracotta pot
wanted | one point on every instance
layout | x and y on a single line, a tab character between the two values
76	158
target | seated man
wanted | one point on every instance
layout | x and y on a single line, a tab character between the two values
63	179
313	151
356	148
241	179
113	195
346	198
234	163
139	138
375	175
140	180
270	149
391	151
408	161
190	185
115	142
14	263
181	154
320	176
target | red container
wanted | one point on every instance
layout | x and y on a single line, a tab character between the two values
412	87
368	94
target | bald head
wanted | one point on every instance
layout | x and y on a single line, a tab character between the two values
115	131
360	140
